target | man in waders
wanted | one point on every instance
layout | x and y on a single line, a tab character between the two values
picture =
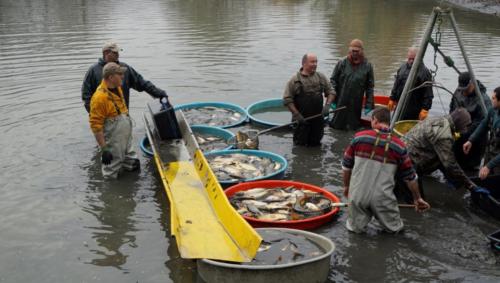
111	124
131	79
352	79
303	96
430	146
465	96
491	124
420	101
370	165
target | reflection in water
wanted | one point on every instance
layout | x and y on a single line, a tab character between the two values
112	203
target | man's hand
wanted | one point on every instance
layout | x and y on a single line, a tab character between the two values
299	118
423	114
106	156
466	147
326	109
163	96
421	205
391	105
484	172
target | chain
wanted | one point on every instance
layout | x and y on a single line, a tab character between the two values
437	42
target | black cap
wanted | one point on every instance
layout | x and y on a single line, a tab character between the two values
464	79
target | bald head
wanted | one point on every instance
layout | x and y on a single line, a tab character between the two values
309	63
412	53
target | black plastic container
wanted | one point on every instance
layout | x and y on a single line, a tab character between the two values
489	203
165	120
495	240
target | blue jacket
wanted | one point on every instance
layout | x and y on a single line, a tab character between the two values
132	79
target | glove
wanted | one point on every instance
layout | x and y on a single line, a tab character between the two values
391	105
299	118
333	106
481	190
367	110
326	109
423	114
106	156
163	95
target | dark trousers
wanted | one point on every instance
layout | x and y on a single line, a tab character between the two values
309	134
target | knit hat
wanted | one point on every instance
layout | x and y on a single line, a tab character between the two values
463	80
461	119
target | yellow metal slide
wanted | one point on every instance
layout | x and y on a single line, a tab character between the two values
204	223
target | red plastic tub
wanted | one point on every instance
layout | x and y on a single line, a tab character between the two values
304	224
379	99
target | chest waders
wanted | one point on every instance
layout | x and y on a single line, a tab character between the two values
118	135
371	191
309	104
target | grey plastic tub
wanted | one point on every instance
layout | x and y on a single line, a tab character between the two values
311	270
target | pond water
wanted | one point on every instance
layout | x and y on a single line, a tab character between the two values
62	223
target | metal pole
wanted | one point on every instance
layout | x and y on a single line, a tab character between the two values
413	72
467	63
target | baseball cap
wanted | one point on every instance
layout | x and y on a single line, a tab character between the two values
112	46
112	68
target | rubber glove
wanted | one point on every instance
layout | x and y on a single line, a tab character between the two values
106	156
333	106
326	109
299	118
481	190
391	105
423	114
367	110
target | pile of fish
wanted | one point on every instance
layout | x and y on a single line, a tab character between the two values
212	116
237	166
280	247
210	142
280	204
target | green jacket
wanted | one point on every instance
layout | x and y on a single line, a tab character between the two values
430	145
351	83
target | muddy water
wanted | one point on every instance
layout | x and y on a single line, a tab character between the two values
62	223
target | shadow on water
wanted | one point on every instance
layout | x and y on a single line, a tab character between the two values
112	204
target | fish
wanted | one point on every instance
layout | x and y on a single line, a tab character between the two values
280	203
210	115
240	166
273	217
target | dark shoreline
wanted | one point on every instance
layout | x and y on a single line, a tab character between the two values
491	7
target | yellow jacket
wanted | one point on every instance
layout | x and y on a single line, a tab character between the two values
102	107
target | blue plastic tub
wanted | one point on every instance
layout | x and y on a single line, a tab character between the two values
208	130
279	174
261	106
214	131
146	147
234	107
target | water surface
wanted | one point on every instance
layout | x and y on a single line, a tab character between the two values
62	223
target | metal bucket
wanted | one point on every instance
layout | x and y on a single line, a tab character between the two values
310	270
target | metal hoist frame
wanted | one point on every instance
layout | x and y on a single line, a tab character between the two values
435	20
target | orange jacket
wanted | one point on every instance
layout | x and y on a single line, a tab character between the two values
102	107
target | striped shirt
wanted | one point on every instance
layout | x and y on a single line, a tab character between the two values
364	145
